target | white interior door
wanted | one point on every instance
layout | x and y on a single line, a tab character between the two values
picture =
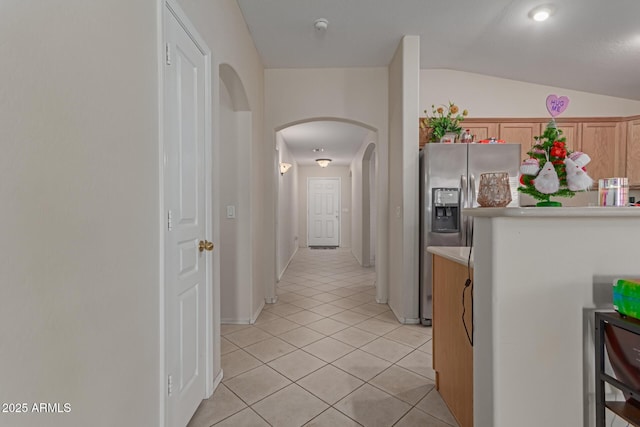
324	212
185	262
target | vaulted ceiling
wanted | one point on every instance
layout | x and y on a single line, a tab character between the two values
586	45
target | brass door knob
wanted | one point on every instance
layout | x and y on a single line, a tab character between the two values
205	245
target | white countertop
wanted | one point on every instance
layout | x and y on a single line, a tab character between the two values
553	212
459	254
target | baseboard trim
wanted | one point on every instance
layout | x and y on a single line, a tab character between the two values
404	320
235	321
287	264
257	313
217	380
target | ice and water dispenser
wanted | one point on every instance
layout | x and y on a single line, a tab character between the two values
445	210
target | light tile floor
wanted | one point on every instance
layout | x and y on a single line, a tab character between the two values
325	355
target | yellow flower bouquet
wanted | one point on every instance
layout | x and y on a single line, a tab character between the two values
444	119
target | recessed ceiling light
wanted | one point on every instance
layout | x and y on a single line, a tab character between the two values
541	13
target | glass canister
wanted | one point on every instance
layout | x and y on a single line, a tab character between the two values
494	191
613	191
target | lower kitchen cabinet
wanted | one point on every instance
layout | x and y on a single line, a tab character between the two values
452	351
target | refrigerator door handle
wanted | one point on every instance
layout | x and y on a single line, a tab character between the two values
472	190
471	201
463	204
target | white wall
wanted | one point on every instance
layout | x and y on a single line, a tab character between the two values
356	202
486	96
222	26
80	223
358	209
354	94
556	347
79	182
287	208
403	172
342	172
373	208
235	241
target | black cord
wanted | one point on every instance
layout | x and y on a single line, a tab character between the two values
468	284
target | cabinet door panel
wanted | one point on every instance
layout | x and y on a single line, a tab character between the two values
571	131
600	140
481	130
521	133
633	152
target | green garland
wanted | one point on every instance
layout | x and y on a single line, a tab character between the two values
551	145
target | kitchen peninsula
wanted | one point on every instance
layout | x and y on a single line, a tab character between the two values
539	273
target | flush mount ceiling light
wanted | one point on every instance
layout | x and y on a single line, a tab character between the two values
323	162
321	24
541	13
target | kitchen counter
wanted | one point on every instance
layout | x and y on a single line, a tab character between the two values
539	276
459	254
573	212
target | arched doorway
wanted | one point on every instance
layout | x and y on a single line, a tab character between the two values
359	175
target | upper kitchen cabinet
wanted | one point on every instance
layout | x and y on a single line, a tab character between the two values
480	130
633	151
520	132
571	131
604	142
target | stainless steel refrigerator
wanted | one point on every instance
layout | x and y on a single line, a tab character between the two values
449	179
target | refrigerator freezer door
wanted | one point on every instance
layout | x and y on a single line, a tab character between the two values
442	166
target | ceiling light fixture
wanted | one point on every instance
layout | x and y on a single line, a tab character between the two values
541	13
318	150
321	24
323	162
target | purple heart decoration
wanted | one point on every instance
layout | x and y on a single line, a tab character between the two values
557	104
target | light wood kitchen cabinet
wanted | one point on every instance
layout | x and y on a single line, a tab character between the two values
520	132
613	143
603	142
571	131
452	351
481	130
633	152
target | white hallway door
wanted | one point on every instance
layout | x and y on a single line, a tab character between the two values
324	212
186	248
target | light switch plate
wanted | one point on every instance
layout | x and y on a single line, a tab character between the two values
231	211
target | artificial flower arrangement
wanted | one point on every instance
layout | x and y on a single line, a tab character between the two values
444	119
552	169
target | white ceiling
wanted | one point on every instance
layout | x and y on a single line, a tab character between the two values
339	140
587	45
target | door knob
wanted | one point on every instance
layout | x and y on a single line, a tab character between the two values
205	245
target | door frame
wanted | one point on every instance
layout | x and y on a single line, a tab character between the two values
339	179
173	7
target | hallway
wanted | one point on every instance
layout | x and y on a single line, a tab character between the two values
325	355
